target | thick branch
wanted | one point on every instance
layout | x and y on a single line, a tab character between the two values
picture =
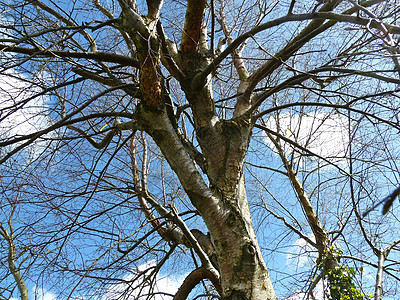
206	263
98	145
194	278
321	237
309	32
15	271
379	274
107	139
154	7
131	21
190	42
96	77
195	154
169	55
167	234
182	235
242	104
131	89
100	56
11	262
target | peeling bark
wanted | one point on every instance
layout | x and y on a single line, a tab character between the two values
193	25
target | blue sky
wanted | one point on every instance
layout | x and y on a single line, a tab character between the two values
327	137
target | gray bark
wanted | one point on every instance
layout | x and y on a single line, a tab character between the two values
223	205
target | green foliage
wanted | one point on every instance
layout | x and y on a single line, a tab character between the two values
340	278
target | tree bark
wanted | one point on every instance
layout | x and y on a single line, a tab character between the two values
15	271
11	261
224	143
193	279
379	275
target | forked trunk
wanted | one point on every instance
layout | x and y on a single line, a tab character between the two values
244	274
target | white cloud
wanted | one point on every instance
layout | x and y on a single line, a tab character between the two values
138	287
20	117
301	254
323	134
42	294
17	117
318	294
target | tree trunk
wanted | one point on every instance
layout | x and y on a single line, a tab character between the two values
14	269
379	275
243	272
224	143
223	205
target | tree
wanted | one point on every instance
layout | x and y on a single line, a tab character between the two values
125	122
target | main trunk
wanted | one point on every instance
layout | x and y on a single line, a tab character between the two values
223	203
241	265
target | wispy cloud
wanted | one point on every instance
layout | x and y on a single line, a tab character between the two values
21	113
133	287
301	254
139	287
17	116
323	134
42	294
318	294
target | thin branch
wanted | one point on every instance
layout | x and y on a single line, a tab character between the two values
37	3
291	227
336	106
345	17
118	126
30	138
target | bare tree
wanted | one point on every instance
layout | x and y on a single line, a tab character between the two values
193	134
